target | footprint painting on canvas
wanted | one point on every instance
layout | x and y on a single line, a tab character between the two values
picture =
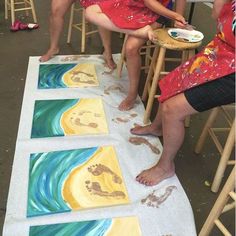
67	76
104	227
84	116
63	181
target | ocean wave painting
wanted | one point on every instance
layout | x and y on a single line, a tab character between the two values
63	181
68	117
67	76
104	227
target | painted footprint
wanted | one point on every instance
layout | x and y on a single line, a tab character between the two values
113	88
99	169
140	140
153	200
95	188
125	120
77	122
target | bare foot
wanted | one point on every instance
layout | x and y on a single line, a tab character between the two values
145	32
126	104
109	61
155	175
151	35
50	54
146	130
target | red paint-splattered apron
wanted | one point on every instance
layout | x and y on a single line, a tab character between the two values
127	14
214	62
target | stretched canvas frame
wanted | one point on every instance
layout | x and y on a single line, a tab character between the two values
63	181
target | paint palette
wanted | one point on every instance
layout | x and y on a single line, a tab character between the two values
188	36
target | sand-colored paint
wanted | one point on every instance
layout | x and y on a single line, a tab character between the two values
125	226
87	187
81	75
84	118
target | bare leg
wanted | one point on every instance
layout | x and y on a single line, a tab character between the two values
58	10
155	128
95	15
133	62
174	111
106	41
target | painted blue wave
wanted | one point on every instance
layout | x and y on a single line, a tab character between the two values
50	76
83	228
47	117
47	174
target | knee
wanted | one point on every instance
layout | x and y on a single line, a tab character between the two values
88	13
171	111
131	50
57	12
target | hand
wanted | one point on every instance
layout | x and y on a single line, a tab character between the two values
180	22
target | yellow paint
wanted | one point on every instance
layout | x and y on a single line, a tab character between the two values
125	226
77	195
86	117
82	75
197	63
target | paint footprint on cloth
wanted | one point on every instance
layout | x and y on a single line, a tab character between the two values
67	76
140	140
155	200
68	117
63	181
125	118
112	226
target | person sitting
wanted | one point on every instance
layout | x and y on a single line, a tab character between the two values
132	53
204	82
58	11
137	19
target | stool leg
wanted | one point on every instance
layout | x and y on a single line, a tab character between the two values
150	73
26	10
219	205
224	159
83	36
147	55
33	11
154	85
12	12
122	59
204	133
6	9
70	23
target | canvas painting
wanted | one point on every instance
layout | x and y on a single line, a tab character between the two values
83	116
63	181
67	76
109	227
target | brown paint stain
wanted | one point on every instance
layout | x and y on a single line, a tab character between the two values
92	125
140	140
95	188
99	169
113	88
133	115
153	200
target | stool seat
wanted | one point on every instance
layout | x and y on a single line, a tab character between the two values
163	39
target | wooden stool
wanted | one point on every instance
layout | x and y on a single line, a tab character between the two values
164	42
145	50
229	145
220	207
79	26
16	5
